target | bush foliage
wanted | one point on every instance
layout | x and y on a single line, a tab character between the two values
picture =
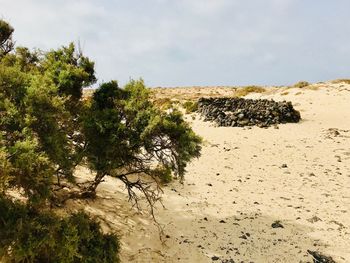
27	235
47	129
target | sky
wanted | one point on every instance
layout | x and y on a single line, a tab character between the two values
194	42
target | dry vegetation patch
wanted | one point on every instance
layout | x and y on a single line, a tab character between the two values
190	106
165	103
244	91
301	84
306	85
340	81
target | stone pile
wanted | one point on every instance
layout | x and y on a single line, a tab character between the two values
239	112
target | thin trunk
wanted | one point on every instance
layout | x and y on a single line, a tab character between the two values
98	179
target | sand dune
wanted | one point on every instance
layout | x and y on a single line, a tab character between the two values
246	180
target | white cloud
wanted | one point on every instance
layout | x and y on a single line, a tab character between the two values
206	7
188	42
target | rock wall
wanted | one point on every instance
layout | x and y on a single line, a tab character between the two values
239	112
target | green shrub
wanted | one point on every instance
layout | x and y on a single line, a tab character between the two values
190	106
27	235
163	173
47	129
129	134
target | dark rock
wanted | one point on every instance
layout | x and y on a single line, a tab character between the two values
277	224
215	258
319	258
239	112
314	219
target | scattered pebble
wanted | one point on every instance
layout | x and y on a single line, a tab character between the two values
277	224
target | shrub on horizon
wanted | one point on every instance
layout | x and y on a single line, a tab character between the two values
301	84
244	91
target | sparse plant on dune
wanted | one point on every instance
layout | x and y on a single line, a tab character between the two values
337	81
164	103
190	106
301	84
244	91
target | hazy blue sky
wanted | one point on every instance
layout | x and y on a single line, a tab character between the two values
194	42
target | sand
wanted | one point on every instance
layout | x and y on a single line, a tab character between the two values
245	180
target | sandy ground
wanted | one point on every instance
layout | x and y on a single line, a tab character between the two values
245	180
